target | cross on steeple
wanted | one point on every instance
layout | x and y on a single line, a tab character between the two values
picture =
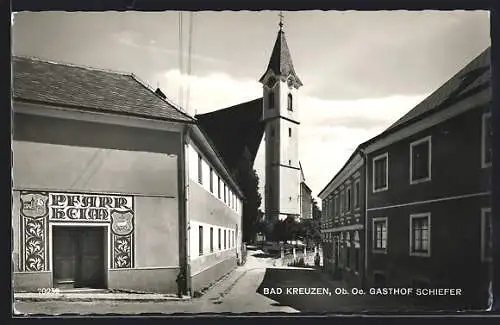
281	20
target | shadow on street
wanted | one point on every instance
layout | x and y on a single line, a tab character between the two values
293	288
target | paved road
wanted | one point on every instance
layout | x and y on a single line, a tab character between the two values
244	291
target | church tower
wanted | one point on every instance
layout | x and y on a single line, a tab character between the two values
280	115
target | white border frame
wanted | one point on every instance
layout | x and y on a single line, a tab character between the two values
483	243
108	262
483	138
427	139
417	216
379	250
375	159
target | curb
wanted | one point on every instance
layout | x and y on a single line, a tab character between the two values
90	298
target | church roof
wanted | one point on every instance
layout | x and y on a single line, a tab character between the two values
236	131
85	88
281	60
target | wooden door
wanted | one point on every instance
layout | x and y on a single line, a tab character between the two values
91	252
65	257
79	257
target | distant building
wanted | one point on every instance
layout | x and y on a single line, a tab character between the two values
343	220
113	187
306	206
428	192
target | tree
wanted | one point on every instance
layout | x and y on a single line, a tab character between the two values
249	183
310	229
316	210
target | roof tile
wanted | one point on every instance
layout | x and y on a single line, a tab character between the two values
87	88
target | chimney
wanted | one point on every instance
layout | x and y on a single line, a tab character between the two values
160	93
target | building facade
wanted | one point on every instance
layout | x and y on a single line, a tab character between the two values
429	186
215	214
343	220
102	193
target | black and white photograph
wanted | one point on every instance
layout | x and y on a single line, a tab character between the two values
237	162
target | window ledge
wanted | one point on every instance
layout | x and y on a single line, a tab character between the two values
485	165
379	251
380	189
419	254
421	180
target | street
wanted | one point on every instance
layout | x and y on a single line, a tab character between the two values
252	288
240	297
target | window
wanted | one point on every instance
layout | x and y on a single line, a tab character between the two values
225	239
200	169
219	239
342	202
420	230
211	180
211	239
200	240
234	238
289	132
336	205
348	199
289	163
357	248
225	193
486	139
420	160
380	173
341	249
348	249
356	194
486	235
290	102
219	186
270	100
380	234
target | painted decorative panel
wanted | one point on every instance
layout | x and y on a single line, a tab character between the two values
34	213
39	209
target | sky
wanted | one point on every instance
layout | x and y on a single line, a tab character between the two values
361	70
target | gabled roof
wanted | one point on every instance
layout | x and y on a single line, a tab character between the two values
474	77
84	88
471	79
281	61
355	152
235	130
303	179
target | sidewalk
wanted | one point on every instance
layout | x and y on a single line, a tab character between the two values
215	291
82	296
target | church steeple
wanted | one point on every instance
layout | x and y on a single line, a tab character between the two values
280	63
